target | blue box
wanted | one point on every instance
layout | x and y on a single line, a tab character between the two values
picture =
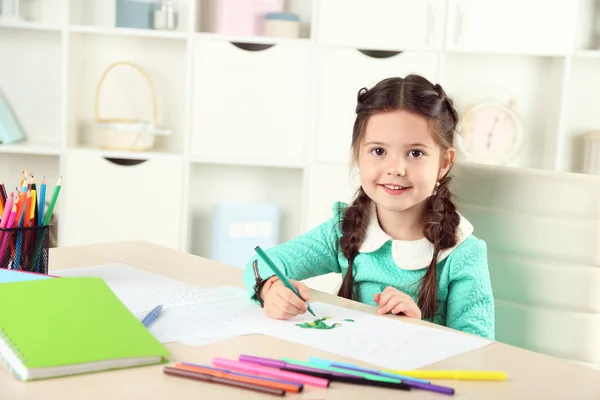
136	13
239	227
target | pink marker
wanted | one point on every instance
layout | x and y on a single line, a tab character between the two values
257	369
5	239
7	209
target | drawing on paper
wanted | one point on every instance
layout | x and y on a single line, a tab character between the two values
320	324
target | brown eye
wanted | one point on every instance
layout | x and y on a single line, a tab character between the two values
416	153
378	151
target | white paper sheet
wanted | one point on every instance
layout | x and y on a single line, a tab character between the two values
204	321
378	340
141	290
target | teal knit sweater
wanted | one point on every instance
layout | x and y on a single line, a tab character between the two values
465	300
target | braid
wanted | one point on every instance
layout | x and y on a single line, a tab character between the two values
440	223
354	227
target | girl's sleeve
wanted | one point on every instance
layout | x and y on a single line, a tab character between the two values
310	254
470	297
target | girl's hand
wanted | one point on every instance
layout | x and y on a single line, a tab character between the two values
397	302
280	302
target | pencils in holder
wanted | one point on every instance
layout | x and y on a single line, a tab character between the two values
24	225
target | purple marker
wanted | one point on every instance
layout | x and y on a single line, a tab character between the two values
416	383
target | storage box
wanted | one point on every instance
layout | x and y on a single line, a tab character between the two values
136	13
242	17
239	227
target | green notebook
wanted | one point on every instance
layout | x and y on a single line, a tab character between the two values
57	327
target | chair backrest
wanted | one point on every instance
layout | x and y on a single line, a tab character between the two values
542	230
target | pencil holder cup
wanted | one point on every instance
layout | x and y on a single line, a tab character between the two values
25	249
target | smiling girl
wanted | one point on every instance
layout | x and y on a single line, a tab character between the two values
401	245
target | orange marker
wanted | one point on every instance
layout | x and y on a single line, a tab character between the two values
288	387
20	208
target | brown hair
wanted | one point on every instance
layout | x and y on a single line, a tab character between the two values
440	221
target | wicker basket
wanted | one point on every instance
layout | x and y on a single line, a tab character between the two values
122	133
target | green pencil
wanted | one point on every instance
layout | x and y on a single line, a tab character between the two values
282	277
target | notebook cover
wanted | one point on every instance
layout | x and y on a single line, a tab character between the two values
67	321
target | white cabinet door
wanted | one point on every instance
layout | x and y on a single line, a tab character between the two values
107	202
381	24
344	71
512	26
235	89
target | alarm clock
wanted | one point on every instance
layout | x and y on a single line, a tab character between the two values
490	133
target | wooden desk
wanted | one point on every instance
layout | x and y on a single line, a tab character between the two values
531	375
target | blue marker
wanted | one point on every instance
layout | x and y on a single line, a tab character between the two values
152	315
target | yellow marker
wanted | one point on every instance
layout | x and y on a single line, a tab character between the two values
458	375
32	215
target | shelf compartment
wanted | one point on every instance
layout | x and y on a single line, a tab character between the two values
241	184
102	13
533	83
34	97
207	9
340	84
582	114
125	93
235	85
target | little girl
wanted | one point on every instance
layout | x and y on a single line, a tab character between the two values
400	245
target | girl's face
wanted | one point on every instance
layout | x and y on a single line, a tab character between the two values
399	161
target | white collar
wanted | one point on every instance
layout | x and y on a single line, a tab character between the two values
409	254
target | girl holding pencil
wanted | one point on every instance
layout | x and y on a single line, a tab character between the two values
401	245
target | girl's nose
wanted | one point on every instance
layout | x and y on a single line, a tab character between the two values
396	168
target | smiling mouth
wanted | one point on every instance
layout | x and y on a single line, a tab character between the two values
395	187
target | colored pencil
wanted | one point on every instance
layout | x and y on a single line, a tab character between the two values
3	197
42	202
6	235
53	201
7	210
223	381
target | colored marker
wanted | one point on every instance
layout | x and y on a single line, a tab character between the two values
281	276
268	371
457	375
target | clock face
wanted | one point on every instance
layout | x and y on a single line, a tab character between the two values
490	134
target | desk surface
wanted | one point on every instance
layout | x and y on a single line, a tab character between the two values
531	375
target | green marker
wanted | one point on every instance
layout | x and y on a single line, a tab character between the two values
282	277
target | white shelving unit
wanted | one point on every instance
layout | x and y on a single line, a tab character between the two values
256	118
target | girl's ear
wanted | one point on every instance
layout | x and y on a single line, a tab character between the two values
447	161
